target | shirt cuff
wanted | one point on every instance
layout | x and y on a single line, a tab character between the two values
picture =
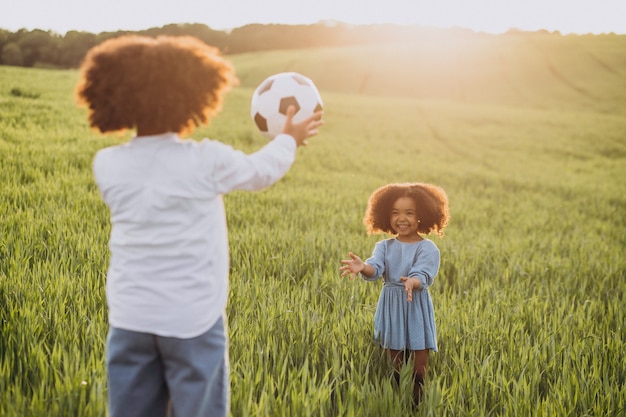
287	140
423	282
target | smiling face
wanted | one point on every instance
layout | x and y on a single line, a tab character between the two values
404	219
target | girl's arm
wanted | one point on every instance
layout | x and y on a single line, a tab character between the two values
411	284
355	265
423	272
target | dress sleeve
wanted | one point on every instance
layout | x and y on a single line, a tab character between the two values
426	265
377	261
236	170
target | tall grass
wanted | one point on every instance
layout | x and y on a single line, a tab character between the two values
529	299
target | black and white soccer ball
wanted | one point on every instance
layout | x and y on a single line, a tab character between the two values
275	94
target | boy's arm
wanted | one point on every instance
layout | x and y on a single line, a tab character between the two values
237	171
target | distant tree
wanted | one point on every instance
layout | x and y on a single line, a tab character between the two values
5	37
38	47
259	37
42	48
209	36
12	55
73	48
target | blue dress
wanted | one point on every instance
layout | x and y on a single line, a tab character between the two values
399	324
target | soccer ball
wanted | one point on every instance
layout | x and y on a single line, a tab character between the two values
275	94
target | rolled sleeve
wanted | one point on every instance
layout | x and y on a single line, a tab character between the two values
236	170
426	266
376	261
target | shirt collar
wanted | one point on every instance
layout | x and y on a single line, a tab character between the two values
163	137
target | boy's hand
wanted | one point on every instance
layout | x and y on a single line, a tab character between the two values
303	130
410	284
351	266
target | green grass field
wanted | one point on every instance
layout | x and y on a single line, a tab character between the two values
527	133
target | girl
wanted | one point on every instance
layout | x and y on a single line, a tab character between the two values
167	282
404	323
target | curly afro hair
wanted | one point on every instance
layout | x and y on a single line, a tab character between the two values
155	85
431	202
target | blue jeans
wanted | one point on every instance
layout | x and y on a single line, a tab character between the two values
155	376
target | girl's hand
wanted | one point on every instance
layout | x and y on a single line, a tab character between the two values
410	284
303	130
351	266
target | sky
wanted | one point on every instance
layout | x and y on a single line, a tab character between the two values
492	16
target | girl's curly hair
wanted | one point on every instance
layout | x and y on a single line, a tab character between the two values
162	84
431	202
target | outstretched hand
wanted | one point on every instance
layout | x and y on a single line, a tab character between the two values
351	266
303	130
410	284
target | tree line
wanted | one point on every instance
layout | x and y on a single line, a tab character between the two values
47	49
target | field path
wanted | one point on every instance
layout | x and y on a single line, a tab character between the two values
558	74
603	64
448	143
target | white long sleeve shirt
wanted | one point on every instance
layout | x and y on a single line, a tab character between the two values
168	272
